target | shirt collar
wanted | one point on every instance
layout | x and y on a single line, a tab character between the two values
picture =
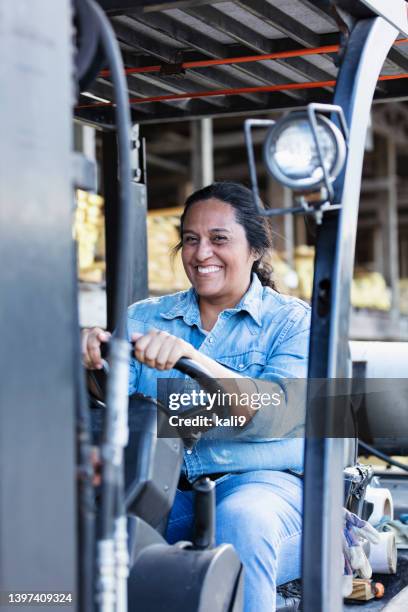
187	305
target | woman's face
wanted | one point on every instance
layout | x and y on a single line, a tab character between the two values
215	253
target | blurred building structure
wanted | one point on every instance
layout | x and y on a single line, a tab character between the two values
182	156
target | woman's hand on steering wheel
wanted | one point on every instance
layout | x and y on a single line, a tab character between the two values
160	350
157	349
91	347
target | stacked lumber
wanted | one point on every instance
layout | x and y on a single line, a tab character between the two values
285	278
166	273
403	287
304	266
368	289
89	234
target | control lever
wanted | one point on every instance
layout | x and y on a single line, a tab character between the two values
204	512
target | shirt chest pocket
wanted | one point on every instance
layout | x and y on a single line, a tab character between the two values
250	364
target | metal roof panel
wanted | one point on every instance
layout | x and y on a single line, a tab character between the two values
198	25
250	20
151	32
171	37
300	10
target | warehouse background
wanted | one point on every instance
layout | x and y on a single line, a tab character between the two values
186	155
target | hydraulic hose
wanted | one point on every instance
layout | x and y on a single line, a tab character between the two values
123	123
112	550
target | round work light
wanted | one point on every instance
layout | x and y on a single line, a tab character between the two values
291	154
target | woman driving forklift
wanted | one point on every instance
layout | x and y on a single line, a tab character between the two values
233	322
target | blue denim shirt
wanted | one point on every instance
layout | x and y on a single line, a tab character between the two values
265	336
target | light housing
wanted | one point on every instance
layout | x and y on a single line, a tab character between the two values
297	146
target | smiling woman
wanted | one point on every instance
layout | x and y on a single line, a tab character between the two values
216	256
233	322
239	200
222	243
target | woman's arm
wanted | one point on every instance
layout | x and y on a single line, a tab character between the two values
160	350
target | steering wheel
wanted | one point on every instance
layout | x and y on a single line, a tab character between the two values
96	379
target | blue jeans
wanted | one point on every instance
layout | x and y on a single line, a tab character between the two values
259	513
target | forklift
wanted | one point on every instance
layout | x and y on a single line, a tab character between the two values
54	59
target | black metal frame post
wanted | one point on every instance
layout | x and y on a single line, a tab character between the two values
367	48
138	288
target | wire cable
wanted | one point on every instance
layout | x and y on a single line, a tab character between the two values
383	456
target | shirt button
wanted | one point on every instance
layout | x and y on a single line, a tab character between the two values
189	451
211	340
241	366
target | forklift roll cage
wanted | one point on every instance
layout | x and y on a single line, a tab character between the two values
370	28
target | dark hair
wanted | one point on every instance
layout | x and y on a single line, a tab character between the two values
256	228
